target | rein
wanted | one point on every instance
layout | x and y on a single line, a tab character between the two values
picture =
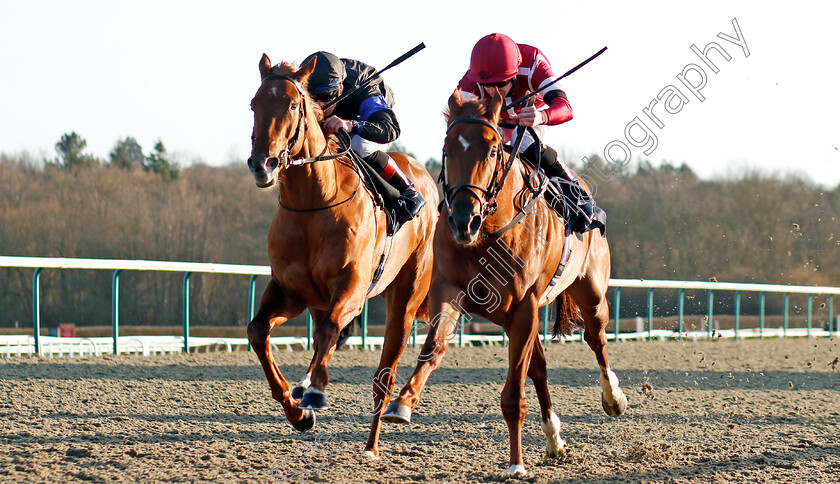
489	204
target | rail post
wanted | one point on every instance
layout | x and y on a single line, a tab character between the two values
617	309
364	325
761	300
785	316
808	319
309	331
187	312
545	324
650	314
252	298
36	309
115	310
711	313
737	314
680	310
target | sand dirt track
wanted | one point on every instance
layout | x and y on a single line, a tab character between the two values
748	411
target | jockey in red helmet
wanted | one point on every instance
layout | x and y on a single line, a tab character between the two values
367	116
515	70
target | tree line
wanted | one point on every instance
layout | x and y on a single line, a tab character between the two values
663	223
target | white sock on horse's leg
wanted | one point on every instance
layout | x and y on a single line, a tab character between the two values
551	429
609	383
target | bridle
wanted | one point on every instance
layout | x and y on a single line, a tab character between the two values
286	158
489	204
488	201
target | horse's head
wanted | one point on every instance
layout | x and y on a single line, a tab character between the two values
280	118
472	164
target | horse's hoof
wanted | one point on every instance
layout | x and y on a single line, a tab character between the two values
616	410
397	413
313	399
517	470
370	455
555	449
306	423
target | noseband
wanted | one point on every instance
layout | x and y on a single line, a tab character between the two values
488	201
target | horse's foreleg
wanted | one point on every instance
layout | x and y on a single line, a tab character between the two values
523	334
403	298
442	328
538	373
303	384
275	309
346	303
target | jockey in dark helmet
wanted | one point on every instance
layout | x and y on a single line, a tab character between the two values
515	70
367	116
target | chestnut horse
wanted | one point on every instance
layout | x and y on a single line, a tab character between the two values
498	250
327	244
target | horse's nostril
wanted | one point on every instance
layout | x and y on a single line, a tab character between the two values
475	224
272	163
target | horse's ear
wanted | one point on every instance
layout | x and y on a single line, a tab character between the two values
455	101
265	67
306	70
494	108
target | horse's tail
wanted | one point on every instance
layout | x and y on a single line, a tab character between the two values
568	315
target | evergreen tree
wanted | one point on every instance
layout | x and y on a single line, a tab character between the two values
127	154
158	162
69	149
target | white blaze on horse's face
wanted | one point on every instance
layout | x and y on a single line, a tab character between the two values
464	142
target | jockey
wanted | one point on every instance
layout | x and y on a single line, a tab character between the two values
515	70
367	116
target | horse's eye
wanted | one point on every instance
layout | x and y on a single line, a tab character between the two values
293	106
492	154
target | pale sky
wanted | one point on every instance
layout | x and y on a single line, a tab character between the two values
185	72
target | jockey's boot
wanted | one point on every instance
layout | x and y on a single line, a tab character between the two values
570	200
410	201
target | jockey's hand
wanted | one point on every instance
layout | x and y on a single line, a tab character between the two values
334	123
529	116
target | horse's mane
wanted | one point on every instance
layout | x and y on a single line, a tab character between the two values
289	69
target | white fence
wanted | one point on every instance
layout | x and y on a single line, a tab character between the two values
17	345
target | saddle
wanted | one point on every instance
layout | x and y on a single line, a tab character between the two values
575	206
384	195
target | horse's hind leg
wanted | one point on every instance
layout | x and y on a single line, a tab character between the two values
550	421
595	312
404	297
276	308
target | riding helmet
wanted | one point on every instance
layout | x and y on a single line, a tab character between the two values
328	75
495	58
